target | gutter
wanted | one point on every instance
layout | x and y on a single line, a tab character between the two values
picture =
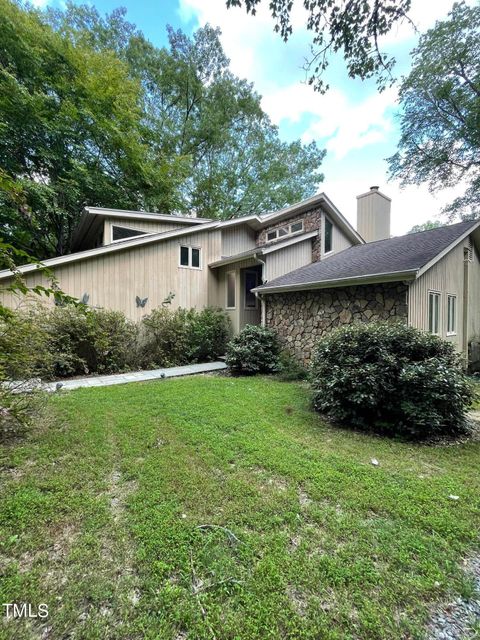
340	282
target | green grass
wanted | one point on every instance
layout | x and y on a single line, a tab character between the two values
100	509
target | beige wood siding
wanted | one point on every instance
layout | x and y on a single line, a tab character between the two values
288	259
155	226
445	277
473	326
237	239
150	271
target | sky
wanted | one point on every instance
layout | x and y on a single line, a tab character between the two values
353	121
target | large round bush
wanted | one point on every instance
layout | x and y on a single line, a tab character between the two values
392	378
254	350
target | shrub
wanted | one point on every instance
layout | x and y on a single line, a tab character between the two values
164	337
290	369
23	355
392	378
254	350
208	335
83	341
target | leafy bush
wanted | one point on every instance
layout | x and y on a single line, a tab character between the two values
183	336
290	369
164	338
392	378
208	335
23	355
83	341
254	350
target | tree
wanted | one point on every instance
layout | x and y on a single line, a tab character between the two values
440	121
354	27
195	108
426	226
71	133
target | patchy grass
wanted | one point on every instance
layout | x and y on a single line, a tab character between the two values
101	518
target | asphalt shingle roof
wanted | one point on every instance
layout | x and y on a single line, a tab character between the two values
400	254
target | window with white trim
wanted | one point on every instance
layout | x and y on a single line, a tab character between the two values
327	236
231	284
451	315
190	257
434	312
123	233
286	230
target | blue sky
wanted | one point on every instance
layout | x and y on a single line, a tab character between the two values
353	121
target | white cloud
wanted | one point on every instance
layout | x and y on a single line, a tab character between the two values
338	120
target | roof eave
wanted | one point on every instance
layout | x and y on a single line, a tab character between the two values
340	282
475	225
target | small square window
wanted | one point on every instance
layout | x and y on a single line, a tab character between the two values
296	227
283	231
271	235
184	256
196	258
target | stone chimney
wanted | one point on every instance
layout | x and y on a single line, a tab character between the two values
373	215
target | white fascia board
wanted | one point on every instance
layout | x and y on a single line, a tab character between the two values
144	215
340	282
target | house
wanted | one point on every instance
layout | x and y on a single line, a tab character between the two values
302	270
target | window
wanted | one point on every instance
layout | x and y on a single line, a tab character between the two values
122	233
451	315
190	257
231	285
434	312
251	281
328	233
286	230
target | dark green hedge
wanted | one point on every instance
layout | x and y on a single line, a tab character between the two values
391	378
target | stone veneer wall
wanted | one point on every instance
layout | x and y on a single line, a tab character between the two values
312	221
301	318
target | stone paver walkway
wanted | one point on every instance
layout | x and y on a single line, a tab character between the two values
135	376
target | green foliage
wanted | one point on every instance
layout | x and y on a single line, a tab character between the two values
23	355
208	335
290	368
83	341
170	338
354	28
440	100
254	350
93	113
426	226
72	133
392	378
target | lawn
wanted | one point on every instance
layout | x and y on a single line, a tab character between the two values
103	514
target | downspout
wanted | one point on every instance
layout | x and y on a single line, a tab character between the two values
263	309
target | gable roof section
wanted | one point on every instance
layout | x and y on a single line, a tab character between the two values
195	225
400	258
